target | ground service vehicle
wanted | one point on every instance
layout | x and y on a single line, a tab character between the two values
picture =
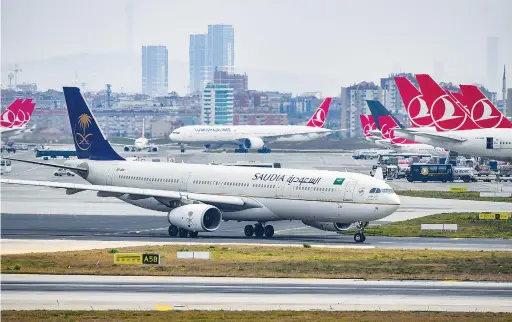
5	166
430	172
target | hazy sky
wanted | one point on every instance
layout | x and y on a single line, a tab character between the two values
340	41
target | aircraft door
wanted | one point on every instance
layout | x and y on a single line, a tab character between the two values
489	143
280	190
184	181
349	189
108	181
496	143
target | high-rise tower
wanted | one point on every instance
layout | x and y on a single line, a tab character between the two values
504	91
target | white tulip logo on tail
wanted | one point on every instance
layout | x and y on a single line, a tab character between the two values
8	118
418	112
483	115
318	119
445	116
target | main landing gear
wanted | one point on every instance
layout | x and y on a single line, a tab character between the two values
264	150
182	233
182	148
259	230
359	236
241	149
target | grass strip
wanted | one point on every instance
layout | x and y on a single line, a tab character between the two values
235	316
468	226
277	261
467	195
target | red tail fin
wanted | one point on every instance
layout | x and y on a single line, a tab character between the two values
8	118
368	124
459	97
415	105
25	112
318	119
387	124
447	114
482	111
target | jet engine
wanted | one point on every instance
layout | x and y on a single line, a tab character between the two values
329	226
196	217
154	149
253	143
126	148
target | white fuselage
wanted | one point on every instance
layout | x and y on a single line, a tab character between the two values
477	142
232	134
141	143
12	131
420	148
284	194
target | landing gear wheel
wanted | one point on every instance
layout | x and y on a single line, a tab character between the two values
359	237
249	230
258	230
269	231
183	233
193	234
173	231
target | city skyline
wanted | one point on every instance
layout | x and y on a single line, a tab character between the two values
327	48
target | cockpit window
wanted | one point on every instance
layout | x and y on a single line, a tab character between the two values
372	190
378	190
176	132
387	191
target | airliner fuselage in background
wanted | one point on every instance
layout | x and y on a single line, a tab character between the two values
253	137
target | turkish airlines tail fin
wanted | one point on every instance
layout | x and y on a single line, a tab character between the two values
414	103
460	97
318	119
482	110
368	124
447	112
386	122
90	143
18	114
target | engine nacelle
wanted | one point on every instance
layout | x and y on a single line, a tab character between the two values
253	143
126	148
328	226
196	217
154	149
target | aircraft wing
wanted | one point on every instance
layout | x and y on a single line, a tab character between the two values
277	136
433	136
163	196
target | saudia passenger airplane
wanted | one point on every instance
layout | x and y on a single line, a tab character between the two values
197	198
253	137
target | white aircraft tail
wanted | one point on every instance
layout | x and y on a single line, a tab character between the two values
379	174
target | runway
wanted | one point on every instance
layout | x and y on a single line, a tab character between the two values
81	230
30	292
86	217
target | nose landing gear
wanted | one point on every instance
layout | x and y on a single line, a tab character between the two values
359	236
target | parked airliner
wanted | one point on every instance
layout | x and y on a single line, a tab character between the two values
253	137
141	143
197	198
387	123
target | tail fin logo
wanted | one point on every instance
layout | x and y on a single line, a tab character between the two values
418	112
8	118
318	119
482	115
444	114
368	124
81	138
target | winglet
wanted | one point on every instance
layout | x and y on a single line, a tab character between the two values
318	119
90	142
